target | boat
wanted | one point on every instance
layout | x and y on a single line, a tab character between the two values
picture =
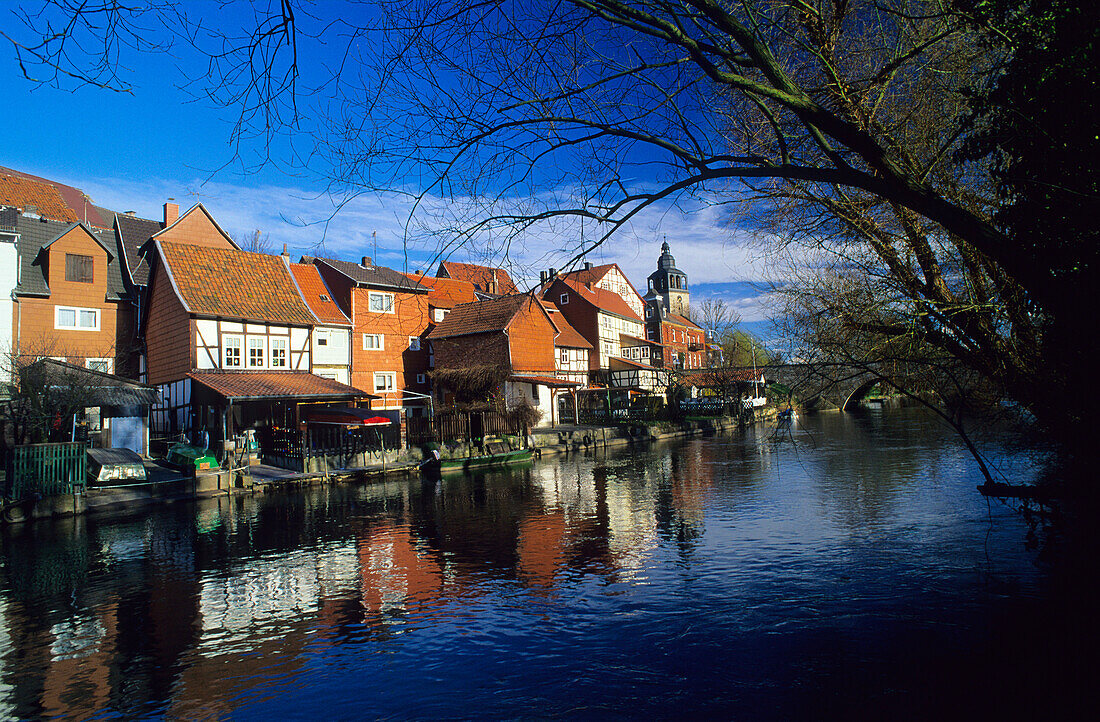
498	454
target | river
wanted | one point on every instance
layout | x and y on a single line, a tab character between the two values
844	567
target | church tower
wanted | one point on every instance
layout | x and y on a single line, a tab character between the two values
668	284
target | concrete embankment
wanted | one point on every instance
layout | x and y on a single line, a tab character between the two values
167	485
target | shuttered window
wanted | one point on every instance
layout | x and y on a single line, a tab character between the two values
78	269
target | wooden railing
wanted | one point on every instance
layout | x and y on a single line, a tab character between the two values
46	469
456	426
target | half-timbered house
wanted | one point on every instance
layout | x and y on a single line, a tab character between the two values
229	338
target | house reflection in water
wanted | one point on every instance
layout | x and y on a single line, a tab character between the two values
182	612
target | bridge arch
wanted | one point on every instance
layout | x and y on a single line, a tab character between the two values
858	394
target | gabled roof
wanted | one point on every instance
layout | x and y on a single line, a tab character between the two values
601	298
682	321
228	283
38	233
445	292
494	314
23	192
373	276
63	203
134	232
91	234
482	277
316	294
197	208
591	275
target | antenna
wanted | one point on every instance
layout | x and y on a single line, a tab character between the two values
374	238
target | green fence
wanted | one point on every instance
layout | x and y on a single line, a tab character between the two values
47	469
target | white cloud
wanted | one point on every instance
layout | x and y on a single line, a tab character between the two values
704	248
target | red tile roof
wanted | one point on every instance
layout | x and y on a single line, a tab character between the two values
317	295
682	320
590	275
481	276
234	284
74	199
274	385
604	300
481	316
22	192
445	292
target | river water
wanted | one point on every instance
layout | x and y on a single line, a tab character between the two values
845	567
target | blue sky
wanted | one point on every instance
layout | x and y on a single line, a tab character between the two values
133	151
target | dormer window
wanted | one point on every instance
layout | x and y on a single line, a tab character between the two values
78	269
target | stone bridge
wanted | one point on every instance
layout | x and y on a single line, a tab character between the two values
824	385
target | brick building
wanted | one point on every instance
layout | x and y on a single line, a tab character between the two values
389	316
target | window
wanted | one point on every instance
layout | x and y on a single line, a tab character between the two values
535	393
384	381
78	269
84	319
414	343
564	356
278	353
373	342
102	365
232	347
381	302
439	314
256	352
421	378
322	338
323	297
564	299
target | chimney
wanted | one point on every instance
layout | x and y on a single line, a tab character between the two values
130	213
493	282
553	272
171	213
543	277
366	262
588	265
418	272
285	254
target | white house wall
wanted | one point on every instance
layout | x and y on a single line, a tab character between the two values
210	339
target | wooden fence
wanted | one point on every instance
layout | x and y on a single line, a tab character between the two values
457	426
46	469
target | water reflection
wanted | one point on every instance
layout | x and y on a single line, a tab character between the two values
414	597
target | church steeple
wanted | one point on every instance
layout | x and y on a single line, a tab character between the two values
668	284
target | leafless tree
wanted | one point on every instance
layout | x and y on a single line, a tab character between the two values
832	123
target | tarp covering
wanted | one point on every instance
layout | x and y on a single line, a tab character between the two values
347	416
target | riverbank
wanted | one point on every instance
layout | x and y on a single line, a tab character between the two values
166	485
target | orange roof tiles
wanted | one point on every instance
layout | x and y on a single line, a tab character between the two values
603	299
590	275
682	321
481	316
445	292
484	278
234	284
273	385
24	192
316	294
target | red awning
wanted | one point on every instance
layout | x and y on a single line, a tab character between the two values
347	416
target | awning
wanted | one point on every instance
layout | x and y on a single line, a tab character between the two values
347	416
88	387
276	385
549	381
